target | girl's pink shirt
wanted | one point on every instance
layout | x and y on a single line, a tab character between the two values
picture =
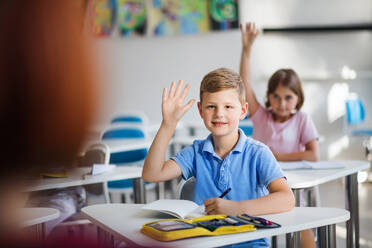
286	137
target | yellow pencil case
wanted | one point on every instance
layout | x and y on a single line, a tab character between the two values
210	225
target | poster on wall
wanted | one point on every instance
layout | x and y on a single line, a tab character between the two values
131	17
193	17
224	14
102	16
169	17
163	17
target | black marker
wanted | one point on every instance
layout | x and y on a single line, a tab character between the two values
225	193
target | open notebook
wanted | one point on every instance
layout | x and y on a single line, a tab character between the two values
182	209
320	165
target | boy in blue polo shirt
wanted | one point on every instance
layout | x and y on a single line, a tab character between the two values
226	159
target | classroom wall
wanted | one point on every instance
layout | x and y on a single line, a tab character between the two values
136	69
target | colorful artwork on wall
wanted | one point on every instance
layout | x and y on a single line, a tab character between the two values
169	17
102	16
224	14
163	17
131	17
193	17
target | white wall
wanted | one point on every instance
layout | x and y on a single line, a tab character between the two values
136	69
139	68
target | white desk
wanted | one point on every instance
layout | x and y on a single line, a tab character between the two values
37	217
123	145
124	221
76	178
300	179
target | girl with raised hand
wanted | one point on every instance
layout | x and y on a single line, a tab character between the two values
289	132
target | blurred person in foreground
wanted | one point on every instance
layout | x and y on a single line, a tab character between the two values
47	91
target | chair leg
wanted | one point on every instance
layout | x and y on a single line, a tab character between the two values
274	242
160	190
127	197
173	185
106	192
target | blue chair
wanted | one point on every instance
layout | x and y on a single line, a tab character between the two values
126	158
247	126
355	116
131	117
97	153
185	189
353	124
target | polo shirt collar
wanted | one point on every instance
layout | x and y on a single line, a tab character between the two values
241	142
208	144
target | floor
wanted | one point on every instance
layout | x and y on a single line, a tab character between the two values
332	195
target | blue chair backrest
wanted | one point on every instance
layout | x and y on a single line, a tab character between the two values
354	111
125	133
248	130
130	119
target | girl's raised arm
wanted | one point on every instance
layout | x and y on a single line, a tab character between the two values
249	34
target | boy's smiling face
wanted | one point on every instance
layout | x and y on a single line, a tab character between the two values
221	111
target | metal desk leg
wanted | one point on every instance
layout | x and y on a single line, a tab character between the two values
327	236
297	239
139	191
294	240
297	194
274	242
356	209
322	236
40	232
104	238
331	236
296	235
289	240
352	204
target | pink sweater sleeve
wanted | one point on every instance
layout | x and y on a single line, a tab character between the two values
309	131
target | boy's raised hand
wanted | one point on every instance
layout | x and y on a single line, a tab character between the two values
173	107
249	34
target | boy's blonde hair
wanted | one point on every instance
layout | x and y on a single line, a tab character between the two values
222	79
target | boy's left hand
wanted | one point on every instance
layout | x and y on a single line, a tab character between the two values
221	206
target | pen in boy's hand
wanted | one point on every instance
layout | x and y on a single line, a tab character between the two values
225	193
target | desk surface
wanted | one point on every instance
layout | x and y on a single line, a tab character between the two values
124	221
298	179
34	216
123	145
75	178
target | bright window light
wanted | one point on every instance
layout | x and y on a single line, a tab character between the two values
338	146
336	101
362	176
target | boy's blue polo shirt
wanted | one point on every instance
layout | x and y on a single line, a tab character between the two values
248	169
